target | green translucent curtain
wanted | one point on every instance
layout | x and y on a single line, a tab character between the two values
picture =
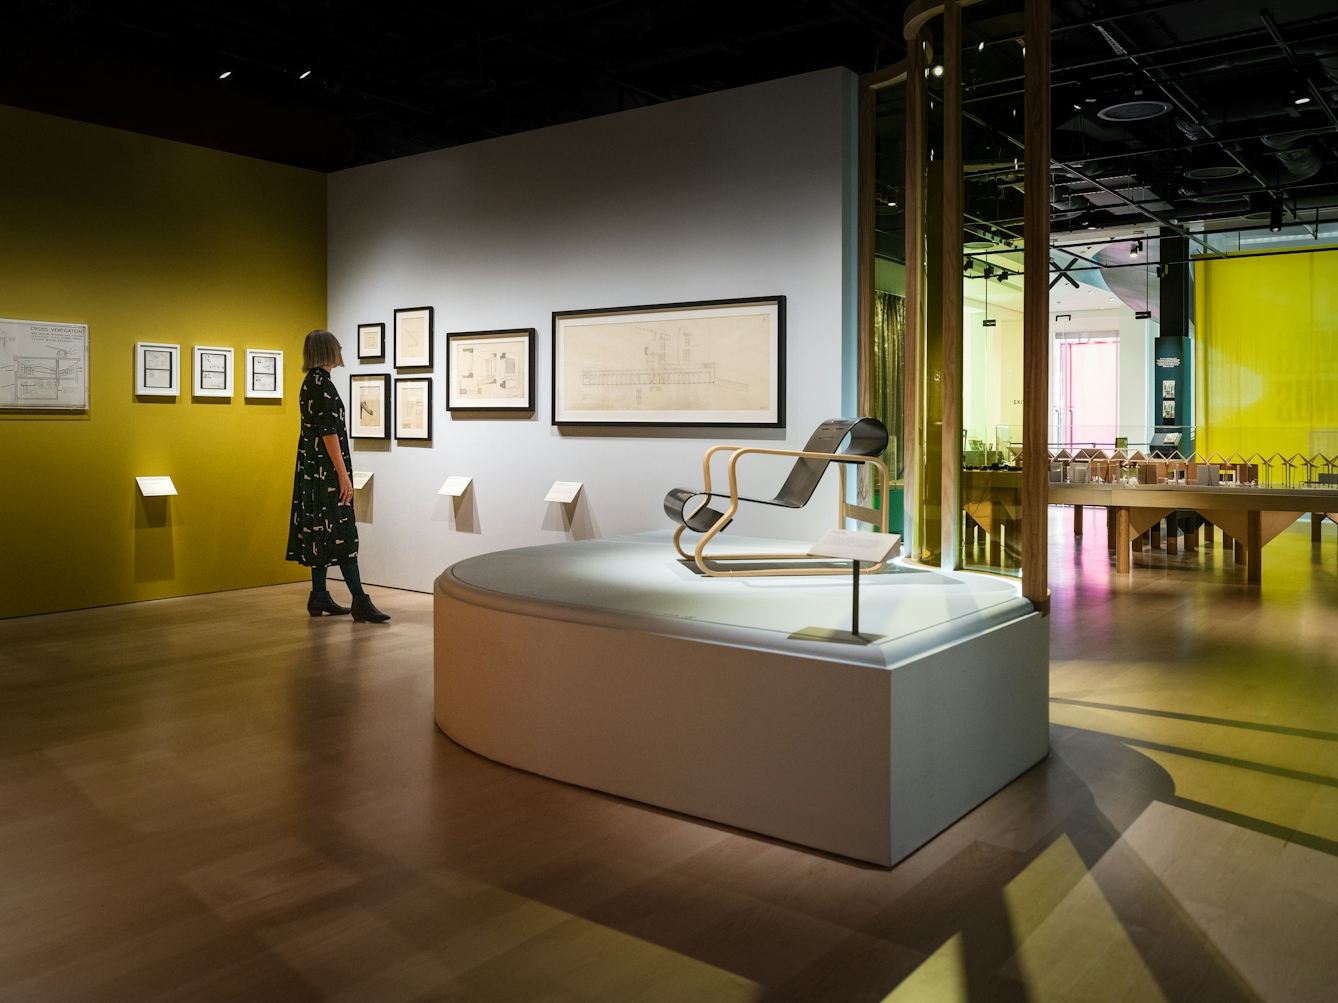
887	375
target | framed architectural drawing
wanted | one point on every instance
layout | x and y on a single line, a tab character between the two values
371	341
157	369
369	406
211	372
490	370
717	362
413	338
264	373
413	407
43	365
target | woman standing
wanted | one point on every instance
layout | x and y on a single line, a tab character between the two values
322	530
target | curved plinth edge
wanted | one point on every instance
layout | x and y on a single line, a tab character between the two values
849	757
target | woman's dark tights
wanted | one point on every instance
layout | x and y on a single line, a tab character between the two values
349	569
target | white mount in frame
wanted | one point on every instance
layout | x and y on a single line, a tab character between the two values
212	372
264	373
157	369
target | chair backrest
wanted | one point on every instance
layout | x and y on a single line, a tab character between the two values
868	437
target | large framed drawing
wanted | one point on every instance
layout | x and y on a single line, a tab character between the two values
371	341
413	338
413	407
369	406
43	365
157	369
264	373
490	370
211	372
716	362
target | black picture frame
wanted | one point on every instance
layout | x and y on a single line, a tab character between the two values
387	404
431	338
381	341
395	414
778	389
454	338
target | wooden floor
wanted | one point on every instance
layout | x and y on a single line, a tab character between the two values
217	798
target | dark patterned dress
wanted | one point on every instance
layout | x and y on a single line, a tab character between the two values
321	532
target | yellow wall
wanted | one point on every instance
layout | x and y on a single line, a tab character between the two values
148	240
1267	353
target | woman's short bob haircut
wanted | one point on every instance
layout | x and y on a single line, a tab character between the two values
321	351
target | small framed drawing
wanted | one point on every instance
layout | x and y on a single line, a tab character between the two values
211	374
713	362
369	400
1168	409
413	407
490	370
157	369
371	341
264	373
413	338
1168	389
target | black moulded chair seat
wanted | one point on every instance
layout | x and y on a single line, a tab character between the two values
865	440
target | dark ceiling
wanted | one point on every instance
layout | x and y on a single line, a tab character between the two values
1187	110
328	84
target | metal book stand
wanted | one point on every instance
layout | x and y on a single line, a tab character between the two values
867	440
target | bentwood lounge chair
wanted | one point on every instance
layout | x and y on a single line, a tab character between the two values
867	438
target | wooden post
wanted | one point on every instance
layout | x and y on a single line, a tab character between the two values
1036	304
1254	547
1110	527
1121	541
1226	542
1208	535
913	384
1240	551
1077	520
1173	533
1191	534
1316	527
867	144
1156	535
996	545
950	288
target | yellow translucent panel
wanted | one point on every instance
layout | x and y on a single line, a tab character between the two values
1267	332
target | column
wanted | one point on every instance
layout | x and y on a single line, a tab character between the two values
1254	547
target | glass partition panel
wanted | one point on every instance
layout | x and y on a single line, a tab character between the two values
990	489
887	351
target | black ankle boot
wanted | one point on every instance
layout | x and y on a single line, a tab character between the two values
365	612
320	602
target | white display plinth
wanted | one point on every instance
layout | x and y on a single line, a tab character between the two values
611	664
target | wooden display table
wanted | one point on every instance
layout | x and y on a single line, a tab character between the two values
1252	515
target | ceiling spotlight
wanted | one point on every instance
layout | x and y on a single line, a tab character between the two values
937	70
1135	249
225	74
305	74
980	47
1275	217
1303	100
1077	107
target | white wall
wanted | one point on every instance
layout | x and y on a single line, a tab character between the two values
1136	398
748	192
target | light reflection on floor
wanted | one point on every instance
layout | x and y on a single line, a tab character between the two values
1231	693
